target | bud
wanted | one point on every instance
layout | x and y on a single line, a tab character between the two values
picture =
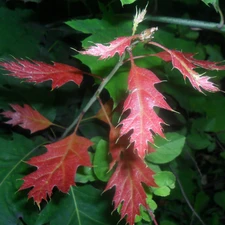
147	34
138	18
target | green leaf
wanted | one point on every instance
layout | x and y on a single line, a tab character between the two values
101	161
143	215
219	198
103	32
117	87
35	1
166	181
83	205
222	154
167	222
201	201
167	149
210	105
152	204
14	205
165	178
162	191
214	52
85	174
169	39
125	2
26	36
198	140
215	3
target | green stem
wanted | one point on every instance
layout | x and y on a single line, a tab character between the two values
221	17
185	196
187	22
95	96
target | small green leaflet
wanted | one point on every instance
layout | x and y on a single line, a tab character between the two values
166	181
215	3
126	2
219	199
101	161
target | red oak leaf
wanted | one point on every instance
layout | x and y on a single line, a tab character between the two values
107	112
57	167
116	145
39	72
142	99
27	118
117	46
186	64
200	63
203	63
130	173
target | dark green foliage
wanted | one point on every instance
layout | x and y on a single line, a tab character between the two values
196	149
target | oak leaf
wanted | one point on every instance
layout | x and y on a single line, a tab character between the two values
190	56
27	118
140	102
117	46
186	64
57	167
131	172
39	72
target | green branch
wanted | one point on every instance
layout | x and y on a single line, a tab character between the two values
197	24
95	96
187	22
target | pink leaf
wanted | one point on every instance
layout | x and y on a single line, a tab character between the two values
142	99
117	46
186	64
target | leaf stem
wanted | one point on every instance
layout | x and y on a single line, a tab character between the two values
153	217
185	196
105	113
221	17
95	96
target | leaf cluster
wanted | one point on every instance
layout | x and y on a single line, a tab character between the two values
187	163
